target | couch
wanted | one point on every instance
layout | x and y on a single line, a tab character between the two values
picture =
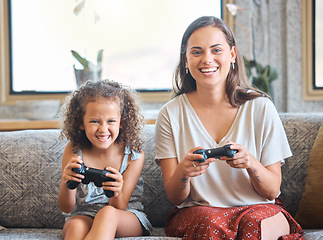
30	173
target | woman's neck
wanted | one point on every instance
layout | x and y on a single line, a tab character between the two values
209	97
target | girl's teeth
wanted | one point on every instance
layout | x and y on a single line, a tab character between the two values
103	138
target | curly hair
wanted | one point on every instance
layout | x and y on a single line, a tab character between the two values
237	84
73	111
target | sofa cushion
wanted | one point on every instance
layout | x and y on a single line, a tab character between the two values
29	178
310	212
301	130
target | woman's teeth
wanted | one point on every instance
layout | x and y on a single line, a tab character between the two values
208	70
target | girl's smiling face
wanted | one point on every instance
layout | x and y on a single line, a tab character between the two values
101	122
209	57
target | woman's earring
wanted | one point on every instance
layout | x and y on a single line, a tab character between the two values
232	65
186	70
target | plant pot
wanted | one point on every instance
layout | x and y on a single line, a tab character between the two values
82	75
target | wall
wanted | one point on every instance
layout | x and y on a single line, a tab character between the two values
275	29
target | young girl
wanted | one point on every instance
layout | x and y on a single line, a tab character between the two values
102	123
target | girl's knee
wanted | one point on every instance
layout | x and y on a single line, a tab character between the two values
84	221
107	212
77	227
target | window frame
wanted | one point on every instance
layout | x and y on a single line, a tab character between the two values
309	92
6	98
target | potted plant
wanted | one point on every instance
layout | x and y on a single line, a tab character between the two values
90	71
260	76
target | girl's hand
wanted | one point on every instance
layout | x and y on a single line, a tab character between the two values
116	186
68	174
242	159
191	166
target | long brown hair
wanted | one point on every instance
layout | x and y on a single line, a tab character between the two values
237	84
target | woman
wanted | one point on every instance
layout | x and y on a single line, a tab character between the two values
229	198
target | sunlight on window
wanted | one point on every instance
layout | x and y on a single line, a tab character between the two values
140	38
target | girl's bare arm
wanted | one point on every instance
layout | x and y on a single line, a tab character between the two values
67	198
125	184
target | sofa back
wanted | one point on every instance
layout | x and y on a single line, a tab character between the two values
30	173
29	178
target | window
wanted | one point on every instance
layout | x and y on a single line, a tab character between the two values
312	50
140	41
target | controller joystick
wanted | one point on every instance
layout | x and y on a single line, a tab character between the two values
92	175
216	152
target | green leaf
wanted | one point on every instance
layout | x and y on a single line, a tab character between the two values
99	57
261	83
273	74
83	61
259	68
265	72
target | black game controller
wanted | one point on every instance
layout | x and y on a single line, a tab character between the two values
92	175
215	152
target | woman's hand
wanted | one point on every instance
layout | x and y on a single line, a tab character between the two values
265	180
242	159
177	175
68	173
191	166
115	186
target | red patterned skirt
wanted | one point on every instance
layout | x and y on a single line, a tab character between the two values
202	222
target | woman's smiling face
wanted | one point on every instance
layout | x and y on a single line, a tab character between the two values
209	57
